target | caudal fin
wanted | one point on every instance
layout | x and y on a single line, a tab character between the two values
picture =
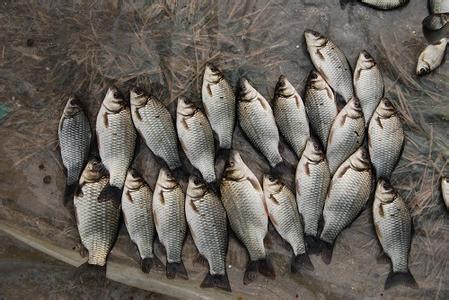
326	252
69	192
400	278
263	266
281	169
180	174
215	188
110	192
90	273
343	3
176	269
313	244
147	263
301	262
216	281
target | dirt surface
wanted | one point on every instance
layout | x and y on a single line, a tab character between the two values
51	49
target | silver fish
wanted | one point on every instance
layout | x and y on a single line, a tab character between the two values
283	213
137	210
257	121
431	57
170	221
219	104
346	135
381	4
348	193
385	139
196	137
331	62
74	140
312	182
242	197
97	220
290	115
116	140
321	106
156	126
368	84
438	6
393	226
445	190
207	221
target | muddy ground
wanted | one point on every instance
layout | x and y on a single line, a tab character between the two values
51	49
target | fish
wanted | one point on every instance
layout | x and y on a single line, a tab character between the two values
156	127
385	139
75	137
312	180
219	104
431	57
290	115
196	137
116	139
207	221
331	63
257	121
137	200
346	135
97	220
321	106
393	225
445	190
435	23
243	200
283	214
349	191
170	221
379	4
368	84
438	6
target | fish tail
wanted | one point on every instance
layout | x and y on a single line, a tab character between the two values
179	173
400	278
215	187
69	192
326	250
281	169
343	3
263	266
90	273
301	262
174	269
313	244
110	192
220	281
250	272
266	268
146	264
223	154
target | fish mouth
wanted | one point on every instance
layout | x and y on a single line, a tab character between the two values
366	55
137	91
423	71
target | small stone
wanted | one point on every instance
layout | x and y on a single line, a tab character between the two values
41	166
47	179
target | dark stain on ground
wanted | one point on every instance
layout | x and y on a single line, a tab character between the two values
41	166
47	179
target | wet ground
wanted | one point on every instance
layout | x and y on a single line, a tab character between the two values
51	49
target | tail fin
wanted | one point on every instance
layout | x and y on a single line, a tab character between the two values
263	266
250	272
400	278
301	262
69	192
214	186
326	252
223	154
281	169
266	268
343	3
147	263
90	273
174	269
216	281
180	174
313	244
110	192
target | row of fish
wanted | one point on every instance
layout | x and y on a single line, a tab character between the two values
333	178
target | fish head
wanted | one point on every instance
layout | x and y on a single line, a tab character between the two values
114	100
422	68
365	61
246	91
235	169
212	74
354	108
138	96
360	160
93	171
133	179
385	108
313	151
284	88
271	185
314	39
197	187
72	107
316	81
385	193
185	107
166	179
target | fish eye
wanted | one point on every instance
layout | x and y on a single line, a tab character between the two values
117	95
364	154
139	91
316	146
314	75
357	103
316	34
388	103
366	55
213	68
386	185
271	178
196	181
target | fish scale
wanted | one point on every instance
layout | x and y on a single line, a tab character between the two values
438	6
155	124
385	4
386	139
97	221
116	142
